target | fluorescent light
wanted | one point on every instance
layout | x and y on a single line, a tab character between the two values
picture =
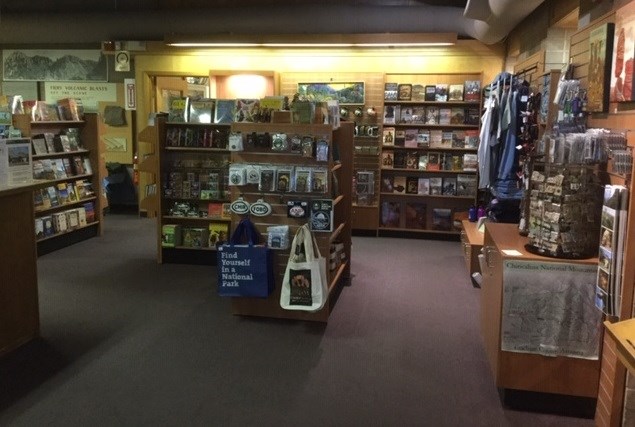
314	40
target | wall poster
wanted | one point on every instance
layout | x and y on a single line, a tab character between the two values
600	50
344	93
623	54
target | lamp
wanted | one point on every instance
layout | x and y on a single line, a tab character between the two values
369	40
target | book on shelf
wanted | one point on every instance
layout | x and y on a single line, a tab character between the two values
74	138
51	195
406	115
418	114
458	139
38	202
436	186
399	185
48	169
470	162
387	159
410	140
58	169
59	222
62	193
83	189
441	92
170	235
49	137
436	138
457	116
432	116
390	214
81	215
457	162
70	109
39	228
434	161
418	92
72	194
201	110
423	161
78	165
387	184
215	210
388	136
412	160
446	162
247	111
88	169
44	112
472	90
445	116
38	169
423	138
423	187
449	186
218	233
471	138
466	185
62	144
430	93
442	219
391	114
412	185
415	215
72	219
400	137
47	222
90	212
195	237
391	91
46	200
446	138
404	92
224	111
178	107
39	145
472	116
400	160
455	92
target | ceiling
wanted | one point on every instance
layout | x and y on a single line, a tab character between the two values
48	6
38	22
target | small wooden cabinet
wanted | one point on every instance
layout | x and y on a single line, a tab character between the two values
525	371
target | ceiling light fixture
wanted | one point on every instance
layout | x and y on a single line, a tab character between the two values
371	40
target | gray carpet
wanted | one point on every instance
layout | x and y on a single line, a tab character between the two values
127	342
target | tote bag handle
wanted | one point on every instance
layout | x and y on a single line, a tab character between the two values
245	232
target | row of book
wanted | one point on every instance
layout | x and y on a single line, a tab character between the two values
66	109
49	143
469	91
214	210
197	137
61	168
176	235
460	185
183	109
429	161
61	194
425	138
407	114
203	185
62	222
414	216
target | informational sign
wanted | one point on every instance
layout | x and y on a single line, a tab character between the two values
549	309
130	92
90	93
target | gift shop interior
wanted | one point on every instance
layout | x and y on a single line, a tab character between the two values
291	213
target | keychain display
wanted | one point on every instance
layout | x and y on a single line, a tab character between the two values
252	174
296	144
235	141
279	142
319	180
239	206
322	150
267	178
260	208
283	178
237	175
278	237
297	209
307	146
302	180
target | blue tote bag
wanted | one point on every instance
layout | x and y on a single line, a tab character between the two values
245	268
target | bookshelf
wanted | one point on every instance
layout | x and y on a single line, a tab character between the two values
83	214
338	194
148	165
191	189
428	152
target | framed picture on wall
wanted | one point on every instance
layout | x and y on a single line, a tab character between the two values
600	52
55	65
345	93
623	54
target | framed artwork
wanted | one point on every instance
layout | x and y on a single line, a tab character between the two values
55	65
345	93
600	50
623	54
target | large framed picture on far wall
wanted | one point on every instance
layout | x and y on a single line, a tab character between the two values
622	89
600	55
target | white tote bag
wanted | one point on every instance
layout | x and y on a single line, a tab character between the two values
305	284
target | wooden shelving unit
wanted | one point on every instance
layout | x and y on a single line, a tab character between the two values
343	137
419	213
90	148
148	168
182	164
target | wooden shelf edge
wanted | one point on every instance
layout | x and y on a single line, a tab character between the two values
91	224
149	164
189	248
149	202
435	196
338	199
336	232
425	170
57	122
196	218
39	212
418	230
198	149
148	135
336	279
60	154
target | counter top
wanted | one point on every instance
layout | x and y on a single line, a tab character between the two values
623	333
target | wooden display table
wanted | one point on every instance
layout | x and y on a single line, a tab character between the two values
528	371
19	313
623	334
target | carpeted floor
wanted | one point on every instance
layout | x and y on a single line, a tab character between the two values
128	342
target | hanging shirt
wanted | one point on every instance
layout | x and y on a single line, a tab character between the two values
484	146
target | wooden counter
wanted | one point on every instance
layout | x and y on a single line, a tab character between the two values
623	334
525	371
472	241
19	313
